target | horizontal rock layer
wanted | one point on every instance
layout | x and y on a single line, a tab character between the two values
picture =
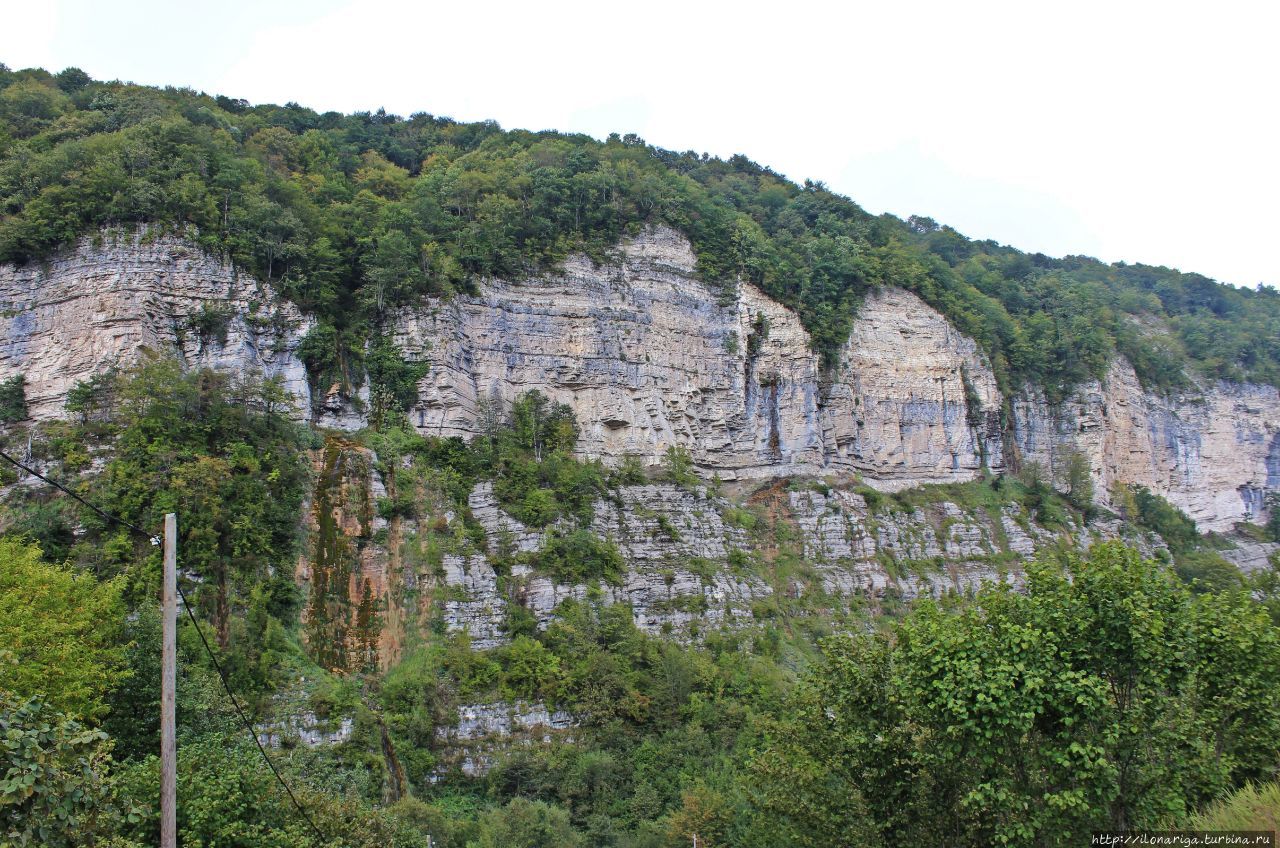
119	295
650	358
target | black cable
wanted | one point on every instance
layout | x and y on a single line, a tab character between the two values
222	676
240	711
155	540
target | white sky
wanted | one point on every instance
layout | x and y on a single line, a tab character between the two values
1123	130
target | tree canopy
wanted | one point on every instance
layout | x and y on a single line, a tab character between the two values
354	215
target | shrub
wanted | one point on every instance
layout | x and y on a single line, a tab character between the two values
576	557
13	399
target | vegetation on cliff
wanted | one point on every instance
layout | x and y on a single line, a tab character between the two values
1108	694
354	215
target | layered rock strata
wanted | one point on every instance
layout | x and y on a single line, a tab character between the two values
120	295
650	358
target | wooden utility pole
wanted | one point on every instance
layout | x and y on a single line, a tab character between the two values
168	686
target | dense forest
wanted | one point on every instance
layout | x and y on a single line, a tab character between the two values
1109	691
353	215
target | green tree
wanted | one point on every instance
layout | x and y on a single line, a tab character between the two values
13	399
1105	696
528	824
58	630
1078	478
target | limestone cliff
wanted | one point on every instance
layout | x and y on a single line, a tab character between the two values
649	358
1214	454
117	295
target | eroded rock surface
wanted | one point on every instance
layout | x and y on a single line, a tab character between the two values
650	358
112	298
1213	454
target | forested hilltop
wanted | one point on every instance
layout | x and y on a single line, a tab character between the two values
353	215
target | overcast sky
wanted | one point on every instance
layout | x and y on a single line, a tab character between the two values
1127	131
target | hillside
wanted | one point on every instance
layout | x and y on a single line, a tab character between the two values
350	216
536	490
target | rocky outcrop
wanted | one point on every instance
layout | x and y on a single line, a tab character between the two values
916	401
644	354
484	731
674	542
1213	454
689	570
931	549
117	295
1252	556
650	358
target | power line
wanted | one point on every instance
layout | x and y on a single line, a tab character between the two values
153	539
222	676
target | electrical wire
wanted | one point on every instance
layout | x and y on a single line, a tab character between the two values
222	676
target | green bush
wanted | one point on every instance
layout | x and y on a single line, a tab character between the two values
577	556
13	399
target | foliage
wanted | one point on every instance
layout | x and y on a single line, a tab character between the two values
576	557
1273	516
353	215
13	399
528	824
1251	807
1163	518
1195	562
1078	482
55	783
677	467
227	797
393	382
219	451
1104	697
59	633
536	477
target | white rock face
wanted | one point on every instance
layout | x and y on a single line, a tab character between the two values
484	732
681	580
926	551
1214	455
476	721
108	300
642	352
916	401
648	358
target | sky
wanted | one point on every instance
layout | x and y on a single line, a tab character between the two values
1128	131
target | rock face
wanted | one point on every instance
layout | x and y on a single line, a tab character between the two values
650	358
689	569
643	353
916	402
115	296
483	732
1214	454
674	542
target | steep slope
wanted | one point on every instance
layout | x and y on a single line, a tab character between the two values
649	359
117	295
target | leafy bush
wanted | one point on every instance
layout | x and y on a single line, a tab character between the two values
13	399
1106	696
577	557
1161	517
57	633
55	785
